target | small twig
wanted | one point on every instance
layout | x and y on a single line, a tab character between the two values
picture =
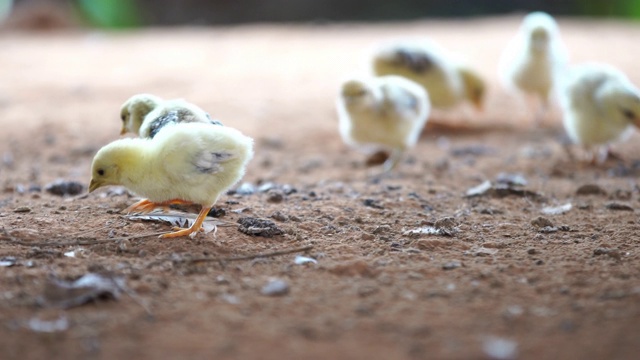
235	258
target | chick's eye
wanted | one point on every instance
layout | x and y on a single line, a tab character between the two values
123	117
100	172
628	114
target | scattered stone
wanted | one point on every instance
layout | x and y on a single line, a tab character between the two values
451	265
541	222
446	226
472	150
302	260
381	229
614	253
89	287
501	190
8	261
22	209
275	196
275	287
278	216
621	194
618	206
245	189
479	190
372	203
557	210
258	227
266	187
532	251
500	348
591	189
511	179
217	212
64	187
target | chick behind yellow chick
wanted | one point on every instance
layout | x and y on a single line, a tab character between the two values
447	80
184	163
386	112
144	114
600	106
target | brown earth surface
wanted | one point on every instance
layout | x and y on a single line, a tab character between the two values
492	285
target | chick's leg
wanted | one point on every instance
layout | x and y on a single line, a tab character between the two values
392	161
138	206
146	206
193	230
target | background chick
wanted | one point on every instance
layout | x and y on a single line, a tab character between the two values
447	81
385	112
186	163
599	106
146	114
533	61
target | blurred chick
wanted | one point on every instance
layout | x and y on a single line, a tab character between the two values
447	81
146	114
534	60
386	112
600	106
185	163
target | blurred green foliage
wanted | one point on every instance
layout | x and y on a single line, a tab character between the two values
614	8
132	13
110	13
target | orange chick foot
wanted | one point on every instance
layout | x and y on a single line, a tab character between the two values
191	231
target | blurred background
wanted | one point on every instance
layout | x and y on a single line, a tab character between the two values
138	13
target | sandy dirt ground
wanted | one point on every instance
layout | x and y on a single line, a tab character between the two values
494	283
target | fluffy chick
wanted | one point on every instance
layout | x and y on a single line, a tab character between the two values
447	81
385	112
146	114
186	163
534	60
599	105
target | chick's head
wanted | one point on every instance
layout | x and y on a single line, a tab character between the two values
474	87
358	93
110	161
621	102
135	109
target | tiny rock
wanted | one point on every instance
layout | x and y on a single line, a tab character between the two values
275	287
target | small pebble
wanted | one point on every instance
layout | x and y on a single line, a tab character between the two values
541	222
278	216
64	187
275	287
22	209
275	196
451	265
590	189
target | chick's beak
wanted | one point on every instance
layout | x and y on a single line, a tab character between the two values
123	130
94	184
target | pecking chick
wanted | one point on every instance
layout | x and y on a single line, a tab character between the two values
534	60
447	81
599	105
146	114
185	163
386	112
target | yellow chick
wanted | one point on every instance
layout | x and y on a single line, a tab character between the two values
146	114
600	106
447	81
185	163
534	59
385	112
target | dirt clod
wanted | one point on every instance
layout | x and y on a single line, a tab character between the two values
64	187
591	189
258	227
